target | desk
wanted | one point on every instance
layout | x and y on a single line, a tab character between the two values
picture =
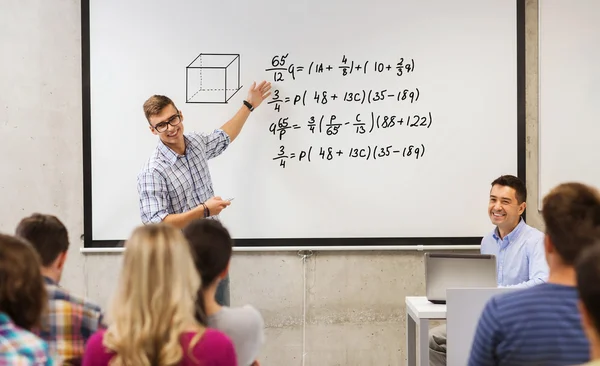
418	311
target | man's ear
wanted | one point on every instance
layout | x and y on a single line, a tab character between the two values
61	260
522	207
152	129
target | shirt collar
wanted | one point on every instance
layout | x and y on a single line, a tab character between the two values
513	234
170	155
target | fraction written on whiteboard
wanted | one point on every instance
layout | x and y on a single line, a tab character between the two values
367	152
280	65
360	97
330	124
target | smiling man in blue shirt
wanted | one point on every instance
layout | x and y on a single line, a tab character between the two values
519	249
175	184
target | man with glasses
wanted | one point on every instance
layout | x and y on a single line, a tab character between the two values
175	185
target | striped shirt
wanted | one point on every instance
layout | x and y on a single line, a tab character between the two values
21	347
535	326
69	323
520	256
170	183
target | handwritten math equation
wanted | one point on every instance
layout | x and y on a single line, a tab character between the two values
388	108
330	153
281	66
330	125
358	97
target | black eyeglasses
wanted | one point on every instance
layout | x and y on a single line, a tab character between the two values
173	121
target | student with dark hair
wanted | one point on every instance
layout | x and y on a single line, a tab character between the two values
22	303
587	269
541	325
71	319
211	246
518	247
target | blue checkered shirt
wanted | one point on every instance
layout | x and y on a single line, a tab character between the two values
21	347
170	183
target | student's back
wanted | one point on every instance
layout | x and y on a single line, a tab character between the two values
212	349
244	325
536	326
212	246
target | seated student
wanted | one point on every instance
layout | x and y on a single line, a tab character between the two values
22	302
541	325
518	247
151	321
71	319
212	247
587	269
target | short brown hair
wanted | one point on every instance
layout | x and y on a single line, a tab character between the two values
514	183
47	234
571	214
22	291
587	269
155	104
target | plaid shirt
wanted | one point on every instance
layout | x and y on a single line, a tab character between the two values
20	347
70	322
170	183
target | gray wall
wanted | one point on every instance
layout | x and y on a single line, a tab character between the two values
355	300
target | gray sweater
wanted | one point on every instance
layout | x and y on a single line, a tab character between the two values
245	326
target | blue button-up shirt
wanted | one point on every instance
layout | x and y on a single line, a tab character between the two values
520	256
170	183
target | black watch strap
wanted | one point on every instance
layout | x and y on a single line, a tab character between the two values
247	104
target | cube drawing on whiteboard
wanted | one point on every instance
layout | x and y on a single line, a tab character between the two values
212	78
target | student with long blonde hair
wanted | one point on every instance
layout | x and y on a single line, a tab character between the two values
151	321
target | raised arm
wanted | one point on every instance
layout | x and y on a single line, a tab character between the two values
256	95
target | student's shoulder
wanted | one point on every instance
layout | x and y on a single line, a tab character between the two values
520	299
63	301
95	351
253	318
246	314
213	345
214	339
533	233
62	294
97	337
95	343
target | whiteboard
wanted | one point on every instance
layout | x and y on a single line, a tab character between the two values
569	93
414	106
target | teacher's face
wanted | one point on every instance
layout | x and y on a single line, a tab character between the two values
168	125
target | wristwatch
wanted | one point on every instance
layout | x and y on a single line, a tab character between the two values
247	104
